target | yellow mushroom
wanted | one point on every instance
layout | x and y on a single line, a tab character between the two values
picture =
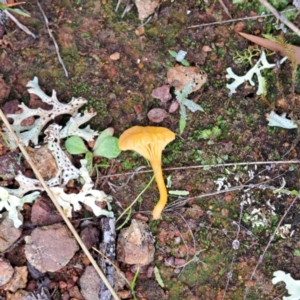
149	142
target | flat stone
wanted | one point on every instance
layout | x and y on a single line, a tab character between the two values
50	248
136	244
90	283
44	212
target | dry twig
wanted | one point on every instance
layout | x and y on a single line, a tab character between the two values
239	19
280	16
53	39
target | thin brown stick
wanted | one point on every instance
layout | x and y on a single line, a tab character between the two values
58	207
225	8
53	39
239	19
280	16
279	162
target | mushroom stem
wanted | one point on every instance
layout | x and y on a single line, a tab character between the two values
156	213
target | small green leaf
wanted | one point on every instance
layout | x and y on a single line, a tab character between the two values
169	181
109	148
179	193
182	124
19	12
173	53
75	145
103	135
89	158
297	252
185	63
158	277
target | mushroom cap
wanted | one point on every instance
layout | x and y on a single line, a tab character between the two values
148	141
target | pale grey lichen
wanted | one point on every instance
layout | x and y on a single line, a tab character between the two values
87	195
31	132
292	285
12	203
64	165
280	121
13	199
261	64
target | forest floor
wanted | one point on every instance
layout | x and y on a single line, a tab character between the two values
209	242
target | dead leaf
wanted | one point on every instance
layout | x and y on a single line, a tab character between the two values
146	7
157	115
272	45
180	76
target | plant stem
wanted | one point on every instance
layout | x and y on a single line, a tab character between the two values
156	213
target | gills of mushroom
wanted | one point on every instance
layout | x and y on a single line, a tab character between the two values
149	142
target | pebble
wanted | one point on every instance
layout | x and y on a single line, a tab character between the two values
6	271
115	56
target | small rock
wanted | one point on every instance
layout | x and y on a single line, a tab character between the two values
194	212
138	108
65	295
206	48
179	261
115	56
149	289
44	212
75	293
6	271
125	294
169	261
162	93
90	236
62	285
90	283
173	107
44	161
136	244
8	232
157	115
19	295
18	280
10	165
140	31
150	271
11	107
45	254
239	26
